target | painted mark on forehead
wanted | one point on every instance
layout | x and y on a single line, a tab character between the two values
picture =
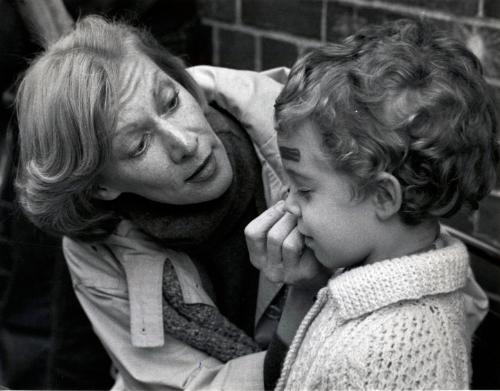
292	154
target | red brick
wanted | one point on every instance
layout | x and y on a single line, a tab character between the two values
236	49
300	17
457	7
344	20
489	220
492	8
277	53
203	49
223	10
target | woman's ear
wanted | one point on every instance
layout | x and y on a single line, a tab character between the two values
106	193
387	197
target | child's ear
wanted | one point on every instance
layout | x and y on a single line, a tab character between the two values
106	193
387	197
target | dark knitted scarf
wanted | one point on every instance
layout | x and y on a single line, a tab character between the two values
212	233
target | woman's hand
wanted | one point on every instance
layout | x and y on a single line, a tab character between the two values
277	249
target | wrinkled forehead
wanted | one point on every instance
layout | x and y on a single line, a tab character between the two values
139	75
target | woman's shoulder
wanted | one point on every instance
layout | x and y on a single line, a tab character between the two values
93	264
101	261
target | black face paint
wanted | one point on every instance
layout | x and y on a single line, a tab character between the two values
290	154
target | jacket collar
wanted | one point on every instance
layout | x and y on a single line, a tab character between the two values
367	288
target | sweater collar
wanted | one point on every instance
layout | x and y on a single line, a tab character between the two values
367	288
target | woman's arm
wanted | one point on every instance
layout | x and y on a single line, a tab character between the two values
277	249
144	358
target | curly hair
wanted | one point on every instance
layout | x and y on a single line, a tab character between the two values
403	99
66	108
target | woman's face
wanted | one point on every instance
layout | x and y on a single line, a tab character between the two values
163	147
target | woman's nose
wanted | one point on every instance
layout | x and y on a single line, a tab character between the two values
291	205
181	143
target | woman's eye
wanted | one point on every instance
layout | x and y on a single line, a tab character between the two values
141	146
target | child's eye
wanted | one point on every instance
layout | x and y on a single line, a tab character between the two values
141	146
304	192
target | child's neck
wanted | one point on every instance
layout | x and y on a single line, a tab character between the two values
400	239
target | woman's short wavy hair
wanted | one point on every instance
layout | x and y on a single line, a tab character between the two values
404	99
66	107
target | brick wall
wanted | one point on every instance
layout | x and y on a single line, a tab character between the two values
261	34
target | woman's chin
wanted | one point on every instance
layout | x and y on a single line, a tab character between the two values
223	180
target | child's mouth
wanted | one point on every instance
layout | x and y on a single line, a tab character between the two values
308	241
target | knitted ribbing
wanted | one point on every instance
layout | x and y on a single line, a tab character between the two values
299	336
396	324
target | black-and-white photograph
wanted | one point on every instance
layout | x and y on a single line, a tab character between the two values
285	195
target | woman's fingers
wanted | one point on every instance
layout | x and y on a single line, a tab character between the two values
308	272
256	233
292	249
274	269
300	264
277	249
276	237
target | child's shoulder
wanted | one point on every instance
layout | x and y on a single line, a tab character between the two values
426	322
434	313
410	285
417	343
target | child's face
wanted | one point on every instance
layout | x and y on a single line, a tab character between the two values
337	228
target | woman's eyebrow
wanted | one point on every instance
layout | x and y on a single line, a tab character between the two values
160	81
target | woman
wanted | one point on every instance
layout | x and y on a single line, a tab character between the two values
152	188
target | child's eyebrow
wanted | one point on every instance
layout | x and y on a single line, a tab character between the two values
299	179
292	154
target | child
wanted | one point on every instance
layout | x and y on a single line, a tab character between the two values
381	136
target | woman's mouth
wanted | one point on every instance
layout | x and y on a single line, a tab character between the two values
204	171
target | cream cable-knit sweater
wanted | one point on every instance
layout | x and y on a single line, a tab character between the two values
394	324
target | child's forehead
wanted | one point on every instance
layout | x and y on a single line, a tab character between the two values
301	143
290	129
